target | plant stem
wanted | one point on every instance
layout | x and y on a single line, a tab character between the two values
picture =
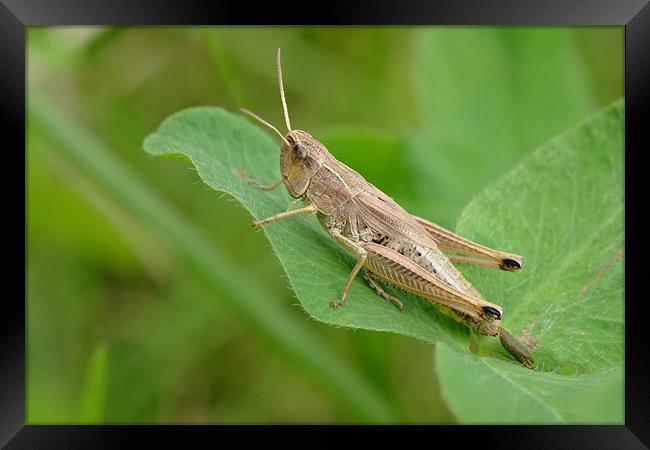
230	79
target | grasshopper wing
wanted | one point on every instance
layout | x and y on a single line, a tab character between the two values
398	230
386	217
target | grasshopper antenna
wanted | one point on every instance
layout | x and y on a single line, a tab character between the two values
258	118
284	101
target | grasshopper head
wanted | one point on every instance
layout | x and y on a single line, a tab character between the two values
301	156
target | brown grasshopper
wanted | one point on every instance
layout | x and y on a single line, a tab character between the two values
392	246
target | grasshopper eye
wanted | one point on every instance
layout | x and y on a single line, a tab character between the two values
492	312
301	151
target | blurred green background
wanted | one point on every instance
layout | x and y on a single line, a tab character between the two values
121	329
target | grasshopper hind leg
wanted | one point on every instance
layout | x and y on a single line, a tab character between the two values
372	281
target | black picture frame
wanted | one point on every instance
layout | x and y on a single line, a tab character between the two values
634	15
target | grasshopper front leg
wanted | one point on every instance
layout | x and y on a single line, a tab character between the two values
307	209
449	240
262	187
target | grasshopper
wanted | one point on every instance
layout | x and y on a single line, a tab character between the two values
391	245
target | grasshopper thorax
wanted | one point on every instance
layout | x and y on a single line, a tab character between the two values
301	157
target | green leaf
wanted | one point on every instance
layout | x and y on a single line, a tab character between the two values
550	209
486	390
488	96
562	209
218	142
